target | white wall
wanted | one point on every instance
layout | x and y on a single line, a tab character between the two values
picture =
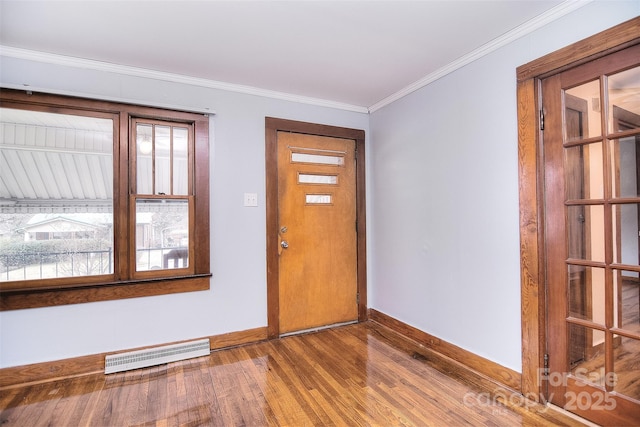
444	195
237	298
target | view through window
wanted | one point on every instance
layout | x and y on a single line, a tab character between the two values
100	200
56	195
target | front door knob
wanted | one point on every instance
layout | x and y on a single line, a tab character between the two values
284	244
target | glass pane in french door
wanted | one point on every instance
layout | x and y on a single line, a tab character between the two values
582	116
626	343
625	156
584	174
626	286
585	231
586	290
622	94
626	237
587	355
625	366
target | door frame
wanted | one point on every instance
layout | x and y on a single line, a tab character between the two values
272	127
530	173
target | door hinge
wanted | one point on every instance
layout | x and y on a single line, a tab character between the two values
541	119
358	298
545	370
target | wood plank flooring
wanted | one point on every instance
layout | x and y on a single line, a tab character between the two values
356	375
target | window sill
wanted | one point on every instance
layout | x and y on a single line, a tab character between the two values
22	299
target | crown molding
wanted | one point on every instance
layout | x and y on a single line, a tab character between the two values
551	15
55	59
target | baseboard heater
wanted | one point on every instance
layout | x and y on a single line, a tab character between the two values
156	356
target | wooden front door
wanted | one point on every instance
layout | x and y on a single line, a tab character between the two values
592	201
317	227
315	214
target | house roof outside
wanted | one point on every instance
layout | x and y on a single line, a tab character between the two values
64	223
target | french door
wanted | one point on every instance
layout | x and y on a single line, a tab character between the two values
591	145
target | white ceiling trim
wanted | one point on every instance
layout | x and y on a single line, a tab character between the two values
524	29
532	25
50	58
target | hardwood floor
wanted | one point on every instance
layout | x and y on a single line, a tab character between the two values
355	375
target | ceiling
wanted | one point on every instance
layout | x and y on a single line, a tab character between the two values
356	53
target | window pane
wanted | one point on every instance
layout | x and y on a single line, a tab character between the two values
163	159
318	199
56	195
162	145
162	234
144	159
582	111
180	161
47	246
306	178
623	89
322	159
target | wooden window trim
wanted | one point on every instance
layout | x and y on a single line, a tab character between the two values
532	262
122	283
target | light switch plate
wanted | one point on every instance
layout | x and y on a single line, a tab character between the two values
251	199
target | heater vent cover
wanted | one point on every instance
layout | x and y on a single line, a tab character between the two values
156	356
